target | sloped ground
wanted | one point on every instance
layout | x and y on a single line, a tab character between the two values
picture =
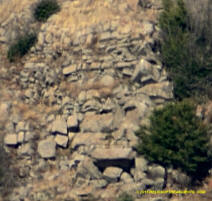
78	97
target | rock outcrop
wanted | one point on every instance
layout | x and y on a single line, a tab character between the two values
92	78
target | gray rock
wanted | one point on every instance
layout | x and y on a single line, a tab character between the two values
59	126
179	178
112	173
98	183
148	183
105	37
97	123
87	168
91	105
72	122
4	110
88	139
25	150
144	72
21	137
112	153
131	188
161	90
156	171
107	80
22	126
147	28
47	148
61	140
138	175
28	136
11	139
70	69
141	164
126	178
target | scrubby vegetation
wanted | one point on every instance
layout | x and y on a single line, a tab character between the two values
125	197
45	8
21	46
177	138
186	50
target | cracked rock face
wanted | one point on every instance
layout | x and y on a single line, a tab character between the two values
92	78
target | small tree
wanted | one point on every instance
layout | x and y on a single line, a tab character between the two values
176	137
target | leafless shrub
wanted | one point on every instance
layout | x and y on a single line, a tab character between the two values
200	14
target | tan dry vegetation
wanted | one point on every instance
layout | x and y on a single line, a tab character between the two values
9	7
77	16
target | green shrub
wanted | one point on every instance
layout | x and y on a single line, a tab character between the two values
21	47
183	53
177	138
125	197
45	8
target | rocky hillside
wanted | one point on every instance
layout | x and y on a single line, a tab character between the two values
69	108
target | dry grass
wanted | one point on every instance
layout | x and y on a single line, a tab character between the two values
12	7
78	15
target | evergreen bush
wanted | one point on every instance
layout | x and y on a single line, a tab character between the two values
177	138
44	9
21	46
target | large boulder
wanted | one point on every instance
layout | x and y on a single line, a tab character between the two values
47	148
97	123
88	139
113	153
158	90
11	139
112	173
59	125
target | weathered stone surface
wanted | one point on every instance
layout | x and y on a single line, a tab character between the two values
4	111
178	178
59	126
107	80
25	150
156	171
144	72
126	178
70	69
47	148
21	126
97	123
161	90
112	153
61	140
87	168
91	105
98	183
147	28
88	139
11	139
112	172
141	164
72	122
138	175
21	137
